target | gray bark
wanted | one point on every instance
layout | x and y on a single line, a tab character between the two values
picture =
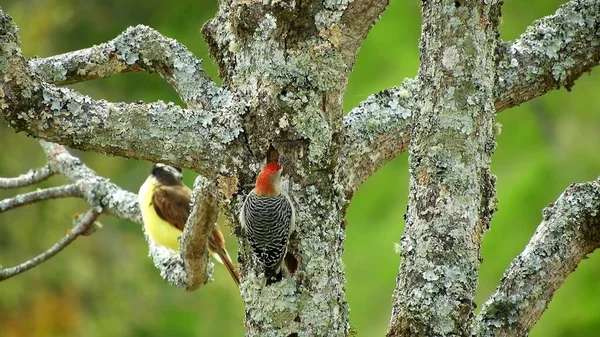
26	179
552	53
452	191
285	67
569	232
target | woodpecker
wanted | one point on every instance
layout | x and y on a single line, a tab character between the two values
267	216
165	204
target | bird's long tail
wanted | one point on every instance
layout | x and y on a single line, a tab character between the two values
226	261
216	247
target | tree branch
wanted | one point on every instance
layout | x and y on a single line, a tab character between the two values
195	139
100	193
376	132
188	270
139	48
81	226
191	268
199	226
66	191
358	17
553	52
452	191
570	230
26	179
97	191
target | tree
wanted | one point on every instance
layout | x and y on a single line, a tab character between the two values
284	68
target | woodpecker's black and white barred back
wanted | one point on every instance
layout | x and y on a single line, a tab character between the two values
268	218
268	226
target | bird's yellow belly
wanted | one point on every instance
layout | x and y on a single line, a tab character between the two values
160	231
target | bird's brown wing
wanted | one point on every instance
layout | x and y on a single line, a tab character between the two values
172	204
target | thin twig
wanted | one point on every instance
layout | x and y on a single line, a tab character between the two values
26	179
81	226
71	190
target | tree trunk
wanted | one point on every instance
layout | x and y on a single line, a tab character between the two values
290	64
452	191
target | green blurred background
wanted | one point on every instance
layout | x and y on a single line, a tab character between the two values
105	285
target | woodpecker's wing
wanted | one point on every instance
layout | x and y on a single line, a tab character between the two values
172	204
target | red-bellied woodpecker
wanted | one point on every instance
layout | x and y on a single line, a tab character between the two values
267	217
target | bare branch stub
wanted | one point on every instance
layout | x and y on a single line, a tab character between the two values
72	190
569	232
81	226
30	178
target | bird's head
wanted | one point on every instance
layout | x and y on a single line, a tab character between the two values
166	174
268	182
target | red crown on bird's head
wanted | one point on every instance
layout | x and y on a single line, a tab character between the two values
264	182
271	168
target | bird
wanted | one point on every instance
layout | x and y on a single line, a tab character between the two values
165	205
268	218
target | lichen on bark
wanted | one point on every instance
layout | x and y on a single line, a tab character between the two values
449	159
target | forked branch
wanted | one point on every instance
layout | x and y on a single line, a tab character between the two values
194	138
139	48
81	225
552	53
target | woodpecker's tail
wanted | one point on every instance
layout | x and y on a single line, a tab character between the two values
273	274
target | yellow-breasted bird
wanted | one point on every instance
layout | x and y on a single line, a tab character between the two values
165	204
